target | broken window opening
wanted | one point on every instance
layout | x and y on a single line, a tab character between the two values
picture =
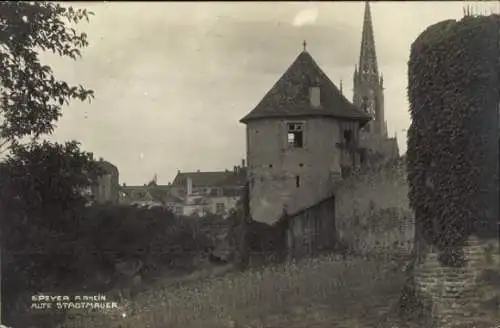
296	135
347	137
297	181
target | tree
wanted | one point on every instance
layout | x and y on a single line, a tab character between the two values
31	97
41	181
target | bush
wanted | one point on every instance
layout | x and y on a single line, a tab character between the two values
53	243
104	235
453	88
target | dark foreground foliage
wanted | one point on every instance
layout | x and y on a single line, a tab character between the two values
53	242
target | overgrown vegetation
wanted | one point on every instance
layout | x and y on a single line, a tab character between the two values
452	156
325	291
81	254
453	88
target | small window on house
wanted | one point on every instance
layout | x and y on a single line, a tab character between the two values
301	165
347	137
270	165
296	135
297	181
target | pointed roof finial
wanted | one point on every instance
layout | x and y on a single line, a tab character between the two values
304	44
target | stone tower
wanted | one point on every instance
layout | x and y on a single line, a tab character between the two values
301	137
368	94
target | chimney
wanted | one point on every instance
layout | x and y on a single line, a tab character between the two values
234	168
189	186
242	163
314	94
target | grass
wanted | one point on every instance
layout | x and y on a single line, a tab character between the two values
236	299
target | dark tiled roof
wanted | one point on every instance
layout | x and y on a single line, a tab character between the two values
137	195
163	195
289	97
160	193
234	178
210	179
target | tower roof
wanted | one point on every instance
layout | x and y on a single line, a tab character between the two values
368	56
289	97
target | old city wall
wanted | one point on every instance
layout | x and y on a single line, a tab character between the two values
368	213
372	211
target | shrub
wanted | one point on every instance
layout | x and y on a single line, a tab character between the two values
453	88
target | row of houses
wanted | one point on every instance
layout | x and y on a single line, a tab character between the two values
190	193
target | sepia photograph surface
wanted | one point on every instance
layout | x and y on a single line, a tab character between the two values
249	164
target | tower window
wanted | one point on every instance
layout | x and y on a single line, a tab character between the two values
297	181
295	135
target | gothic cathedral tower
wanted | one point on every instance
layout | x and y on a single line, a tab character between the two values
368	89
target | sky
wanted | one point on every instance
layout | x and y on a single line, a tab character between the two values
173	79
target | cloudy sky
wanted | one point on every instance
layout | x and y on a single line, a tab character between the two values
173	79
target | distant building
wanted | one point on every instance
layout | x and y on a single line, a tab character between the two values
210	192
151	195
191	193
107	188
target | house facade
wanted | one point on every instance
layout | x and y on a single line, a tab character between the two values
191	193
215	192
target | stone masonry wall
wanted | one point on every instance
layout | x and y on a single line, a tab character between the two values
372	210
466	296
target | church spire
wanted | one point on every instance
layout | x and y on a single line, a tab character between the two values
367	58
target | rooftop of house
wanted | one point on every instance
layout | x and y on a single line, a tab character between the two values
289	97
160	193
236	177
